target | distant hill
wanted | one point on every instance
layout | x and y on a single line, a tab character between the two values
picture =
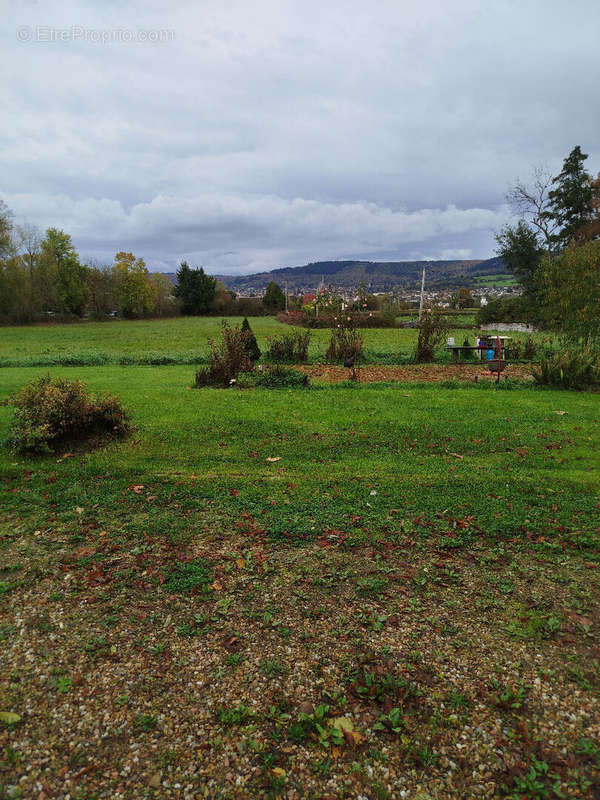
376	276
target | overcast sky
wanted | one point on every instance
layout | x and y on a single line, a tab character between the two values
252	134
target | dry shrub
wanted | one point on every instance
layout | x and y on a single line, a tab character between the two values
432	329
346	342
571	368
289	348
53	412
228	357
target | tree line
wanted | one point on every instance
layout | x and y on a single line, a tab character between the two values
553	250
42	278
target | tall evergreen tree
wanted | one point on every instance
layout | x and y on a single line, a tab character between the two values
195	289
572	198
274	299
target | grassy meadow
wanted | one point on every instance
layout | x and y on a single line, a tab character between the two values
373	590
182	340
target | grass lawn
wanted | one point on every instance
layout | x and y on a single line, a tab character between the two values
495	280
378	591
182	340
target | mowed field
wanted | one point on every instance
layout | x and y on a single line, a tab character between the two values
381	590
180	340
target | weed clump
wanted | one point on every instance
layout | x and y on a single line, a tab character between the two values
289	348
53	412
346	342
432	330
193	577
274	376
228	357
571	368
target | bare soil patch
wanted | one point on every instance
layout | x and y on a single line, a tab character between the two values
429	373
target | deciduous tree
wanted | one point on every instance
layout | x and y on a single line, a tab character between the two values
134	290
165	302
531	202
60	262
570	288
521	251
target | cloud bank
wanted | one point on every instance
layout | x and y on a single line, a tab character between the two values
269	134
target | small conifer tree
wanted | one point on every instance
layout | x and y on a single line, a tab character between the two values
252	348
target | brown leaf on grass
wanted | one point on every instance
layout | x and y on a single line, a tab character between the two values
155	780
231	643
95	575
585	622
273	458
346	727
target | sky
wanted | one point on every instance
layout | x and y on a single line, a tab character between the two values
246	135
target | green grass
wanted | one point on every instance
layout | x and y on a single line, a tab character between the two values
498	458
181	340
495	280
322	583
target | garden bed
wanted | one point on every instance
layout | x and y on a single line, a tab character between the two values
429	373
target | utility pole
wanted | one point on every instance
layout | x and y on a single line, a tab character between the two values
422	292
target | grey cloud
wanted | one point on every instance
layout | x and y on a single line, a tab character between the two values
269	133
267	226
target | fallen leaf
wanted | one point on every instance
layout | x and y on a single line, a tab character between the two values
353	738
278	772
155	780
9	717
562	413
273	458
343	724
217	585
